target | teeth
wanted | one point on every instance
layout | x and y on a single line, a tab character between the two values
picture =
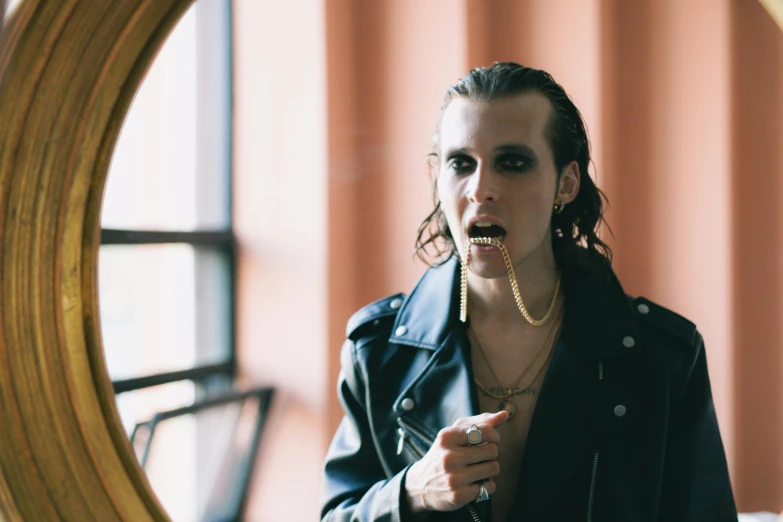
484	224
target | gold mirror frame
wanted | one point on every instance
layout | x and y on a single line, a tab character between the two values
775	8
68	72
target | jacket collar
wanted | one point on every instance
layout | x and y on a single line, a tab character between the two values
599	320
431	311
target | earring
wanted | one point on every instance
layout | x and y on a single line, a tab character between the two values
558	208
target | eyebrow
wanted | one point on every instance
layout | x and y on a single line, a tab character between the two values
462	151
517	148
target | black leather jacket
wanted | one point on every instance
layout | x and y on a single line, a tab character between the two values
624	428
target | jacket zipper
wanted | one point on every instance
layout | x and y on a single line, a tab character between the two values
403	431
592	489
473	513
416	446
594	476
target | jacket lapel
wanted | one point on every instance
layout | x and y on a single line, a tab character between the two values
576	411
573	416
443	391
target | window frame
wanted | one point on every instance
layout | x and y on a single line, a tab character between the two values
222	241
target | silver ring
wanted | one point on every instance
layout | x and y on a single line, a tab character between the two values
483	495
474	435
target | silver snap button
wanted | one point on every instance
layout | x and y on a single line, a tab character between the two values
620	410
629	342
395	304
643	309
407	404
402	330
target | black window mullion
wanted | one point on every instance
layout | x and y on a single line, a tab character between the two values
217	238
199	373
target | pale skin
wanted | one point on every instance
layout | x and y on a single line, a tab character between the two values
495	164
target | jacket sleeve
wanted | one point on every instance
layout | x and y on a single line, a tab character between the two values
696	485
356	488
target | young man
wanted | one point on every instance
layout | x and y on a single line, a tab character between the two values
518	381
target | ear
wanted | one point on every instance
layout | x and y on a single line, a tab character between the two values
434	166
569	184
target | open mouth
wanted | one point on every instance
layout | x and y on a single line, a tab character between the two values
487	230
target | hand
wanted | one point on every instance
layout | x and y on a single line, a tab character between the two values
447	477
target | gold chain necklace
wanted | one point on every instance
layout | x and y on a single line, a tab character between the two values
524	371
463	309
505	397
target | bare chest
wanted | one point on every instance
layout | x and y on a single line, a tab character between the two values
514	433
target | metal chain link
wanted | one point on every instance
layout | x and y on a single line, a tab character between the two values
463	313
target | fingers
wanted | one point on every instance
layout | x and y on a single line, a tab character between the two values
493	419
466	494
478	472
468	478
489	485
461	457
456	435
498	419
479	453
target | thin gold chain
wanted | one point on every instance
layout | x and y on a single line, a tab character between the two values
463	312
510	392
529	365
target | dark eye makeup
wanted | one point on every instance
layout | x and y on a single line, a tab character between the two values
514	162
460	163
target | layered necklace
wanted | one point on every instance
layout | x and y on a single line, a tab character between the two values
504	394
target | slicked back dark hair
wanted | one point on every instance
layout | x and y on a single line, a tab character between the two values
580	220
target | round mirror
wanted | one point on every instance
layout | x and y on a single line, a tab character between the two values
68	73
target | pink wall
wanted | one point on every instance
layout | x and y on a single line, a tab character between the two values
281	222
336	104
757	255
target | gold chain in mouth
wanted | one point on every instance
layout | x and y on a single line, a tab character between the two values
463	309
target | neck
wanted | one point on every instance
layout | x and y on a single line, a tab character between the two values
493	299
